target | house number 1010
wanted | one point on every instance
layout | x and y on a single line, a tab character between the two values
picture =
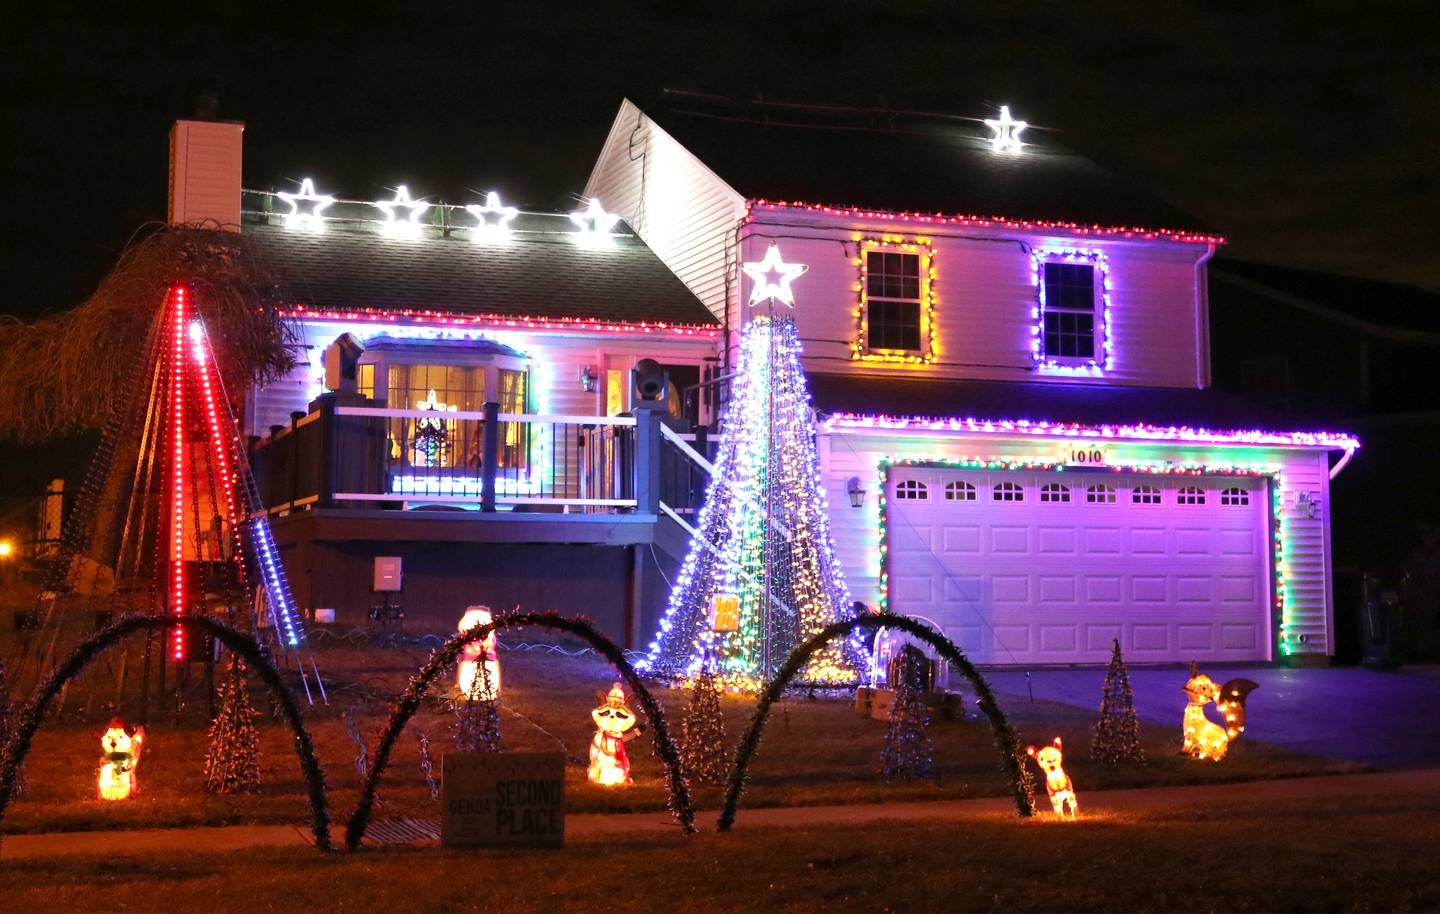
1084	454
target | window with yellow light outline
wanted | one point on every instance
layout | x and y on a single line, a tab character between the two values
895	307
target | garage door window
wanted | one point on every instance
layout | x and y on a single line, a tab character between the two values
1053	492
1009	491
1190	495
911	490
1145	495
1100	495
1235	497
959	491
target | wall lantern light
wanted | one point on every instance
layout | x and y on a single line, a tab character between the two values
587	378
1307	506
856	491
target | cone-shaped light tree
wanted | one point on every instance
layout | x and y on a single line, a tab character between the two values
763	544
1117	734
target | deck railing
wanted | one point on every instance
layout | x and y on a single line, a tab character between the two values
359	455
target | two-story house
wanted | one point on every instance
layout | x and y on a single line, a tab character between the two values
1008	348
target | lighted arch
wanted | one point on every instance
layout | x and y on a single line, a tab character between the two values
446	655
1005	739
238	642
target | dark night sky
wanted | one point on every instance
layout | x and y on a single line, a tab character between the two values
1308	136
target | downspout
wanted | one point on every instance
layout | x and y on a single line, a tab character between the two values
1202	319
1335	470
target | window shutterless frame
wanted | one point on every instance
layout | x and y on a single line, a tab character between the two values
895	309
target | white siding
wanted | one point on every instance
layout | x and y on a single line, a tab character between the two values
984	301
1306	564
686	214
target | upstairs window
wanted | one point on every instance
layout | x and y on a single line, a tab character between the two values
959	491
1145	495
1009	491
911	490
1053	492
1069	330
893	301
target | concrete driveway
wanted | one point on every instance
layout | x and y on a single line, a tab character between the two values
1389	720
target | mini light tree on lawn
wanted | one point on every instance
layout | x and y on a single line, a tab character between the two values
1117	734
702	732
477	716
907	752
232	764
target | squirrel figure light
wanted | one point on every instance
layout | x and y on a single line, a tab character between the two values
615	725
121	744
1057	782
1204	739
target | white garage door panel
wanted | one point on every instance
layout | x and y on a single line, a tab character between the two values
1054	581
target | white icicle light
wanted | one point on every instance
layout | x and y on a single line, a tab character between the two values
314	220
778	288
406	225
1007	132
492	220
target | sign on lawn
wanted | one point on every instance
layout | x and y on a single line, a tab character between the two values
498	799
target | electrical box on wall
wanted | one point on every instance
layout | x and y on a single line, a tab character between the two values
387	573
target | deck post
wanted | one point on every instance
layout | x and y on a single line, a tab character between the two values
329	452
489	455
647	462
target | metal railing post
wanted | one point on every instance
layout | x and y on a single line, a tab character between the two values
489	455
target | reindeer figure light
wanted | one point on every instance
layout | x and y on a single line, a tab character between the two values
614	727
1204	739
1057	782
121	744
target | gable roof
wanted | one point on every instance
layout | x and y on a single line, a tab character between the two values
1381	309
539	272
907	162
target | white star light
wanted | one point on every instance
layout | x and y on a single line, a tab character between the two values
595	224
778	288
1007	132
409	225
312	221
486	227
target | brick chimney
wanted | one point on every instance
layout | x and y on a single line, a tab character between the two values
205	173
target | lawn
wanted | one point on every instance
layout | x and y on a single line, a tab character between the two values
815	751
1361	853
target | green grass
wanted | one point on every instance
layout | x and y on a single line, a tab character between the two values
814	751
1363	853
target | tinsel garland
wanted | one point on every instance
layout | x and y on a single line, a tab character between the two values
702	732
236	641
907	752
477	715
448	654
1011	756
232	763
8	724
427	767
1117	733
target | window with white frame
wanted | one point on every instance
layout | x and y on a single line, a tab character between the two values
911	490
959	491
1070	324
893	302
1190	495
1234	497
1145	495
1054	493
1009	491
1100	495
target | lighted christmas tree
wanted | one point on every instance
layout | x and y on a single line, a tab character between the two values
477	716
1117	734
907	752
232	764
702	732
766	467
8	722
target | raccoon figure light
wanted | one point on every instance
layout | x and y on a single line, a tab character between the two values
121	745
1057	782
1204	739
615	726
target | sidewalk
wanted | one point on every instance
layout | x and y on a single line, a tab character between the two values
580	829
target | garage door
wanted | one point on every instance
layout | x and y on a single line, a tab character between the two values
1047	567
